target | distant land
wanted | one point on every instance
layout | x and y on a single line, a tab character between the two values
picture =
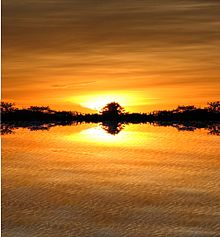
111	112
112	118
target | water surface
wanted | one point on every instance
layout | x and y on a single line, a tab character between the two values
81	181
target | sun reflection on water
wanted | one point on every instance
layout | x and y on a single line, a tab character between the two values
126	137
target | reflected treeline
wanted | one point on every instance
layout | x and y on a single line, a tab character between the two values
112	127
10	127
213	128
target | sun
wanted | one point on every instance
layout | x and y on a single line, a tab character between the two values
98	101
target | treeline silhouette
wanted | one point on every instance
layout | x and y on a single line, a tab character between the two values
111	112
213	128
112	118
10	126
111	127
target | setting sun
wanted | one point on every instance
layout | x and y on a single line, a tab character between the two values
99	100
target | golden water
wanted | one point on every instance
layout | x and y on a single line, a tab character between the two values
79	181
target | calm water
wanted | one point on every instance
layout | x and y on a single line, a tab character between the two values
81	181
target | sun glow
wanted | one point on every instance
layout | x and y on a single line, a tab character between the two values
100	135
127	137
98	101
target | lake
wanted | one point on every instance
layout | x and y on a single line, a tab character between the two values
81	181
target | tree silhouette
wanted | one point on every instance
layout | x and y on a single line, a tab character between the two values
7	107
112	109
43	109
214	106
181	109
112	127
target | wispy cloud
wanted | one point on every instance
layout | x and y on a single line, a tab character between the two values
95	45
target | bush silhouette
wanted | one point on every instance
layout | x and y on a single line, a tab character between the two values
214	106
7	107
112	109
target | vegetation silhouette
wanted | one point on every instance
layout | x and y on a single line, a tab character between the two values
112	117
112	127
9	127
213	128
112	110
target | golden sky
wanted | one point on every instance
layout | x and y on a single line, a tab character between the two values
81	54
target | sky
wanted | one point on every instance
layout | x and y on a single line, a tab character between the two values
81	54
